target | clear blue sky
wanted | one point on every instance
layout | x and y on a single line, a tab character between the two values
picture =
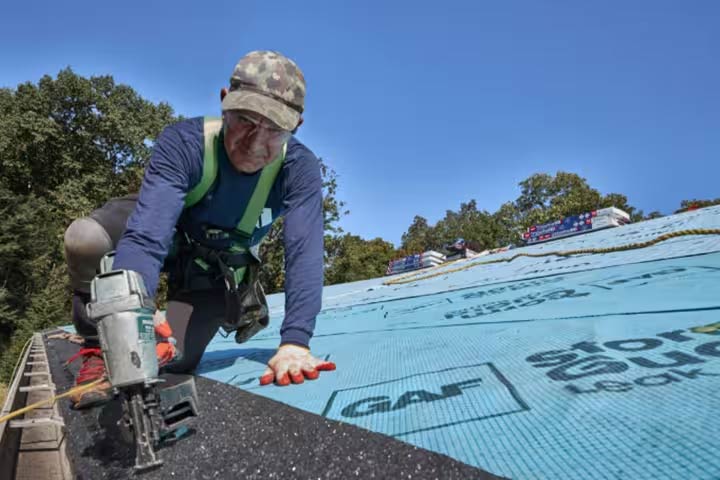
422	105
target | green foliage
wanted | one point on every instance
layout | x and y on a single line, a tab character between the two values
10	354
478	228
508	220
543	198
350	258
75	141
272	251
333	209
8	316
686	205
29	249
620	201
418	238
48	306
67	145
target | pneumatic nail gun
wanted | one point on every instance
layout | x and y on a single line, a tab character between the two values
155	407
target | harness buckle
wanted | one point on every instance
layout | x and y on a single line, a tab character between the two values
216	234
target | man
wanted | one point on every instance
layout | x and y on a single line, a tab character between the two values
199	215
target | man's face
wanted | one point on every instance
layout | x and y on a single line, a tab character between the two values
251	140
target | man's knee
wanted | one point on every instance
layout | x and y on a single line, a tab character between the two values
183	365
86	242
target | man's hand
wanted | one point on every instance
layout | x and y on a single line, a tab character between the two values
165	348
292	362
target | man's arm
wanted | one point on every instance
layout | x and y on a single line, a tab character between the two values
303	237
303	234
168	177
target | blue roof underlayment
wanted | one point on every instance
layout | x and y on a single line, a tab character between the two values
579	367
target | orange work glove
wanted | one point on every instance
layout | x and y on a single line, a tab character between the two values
296	363
165	348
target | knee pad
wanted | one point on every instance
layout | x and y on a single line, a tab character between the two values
86	242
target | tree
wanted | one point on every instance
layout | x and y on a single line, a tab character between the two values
333	209
694	204
67	144
272	251
620	201
418	237
350	258
508	221
478	228
545	198
28	251
76	141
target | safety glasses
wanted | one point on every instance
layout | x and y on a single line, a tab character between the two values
247	125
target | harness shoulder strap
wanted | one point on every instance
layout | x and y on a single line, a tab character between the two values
260	195
246	226
211	130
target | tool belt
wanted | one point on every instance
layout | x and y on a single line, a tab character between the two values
195	267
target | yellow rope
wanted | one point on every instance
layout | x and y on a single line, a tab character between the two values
709	329
78	389
413	277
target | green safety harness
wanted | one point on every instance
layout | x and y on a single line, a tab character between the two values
233	261
237	264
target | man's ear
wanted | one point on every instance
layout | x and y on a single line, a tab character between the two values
223	92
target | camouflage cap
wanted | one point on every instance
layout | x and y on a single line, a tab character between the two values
270	84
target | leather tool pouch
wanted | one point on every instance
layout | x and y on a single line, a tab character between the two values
246	310
196	267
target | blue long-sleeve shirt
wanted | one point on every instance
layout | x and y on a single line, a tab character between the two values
176	167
